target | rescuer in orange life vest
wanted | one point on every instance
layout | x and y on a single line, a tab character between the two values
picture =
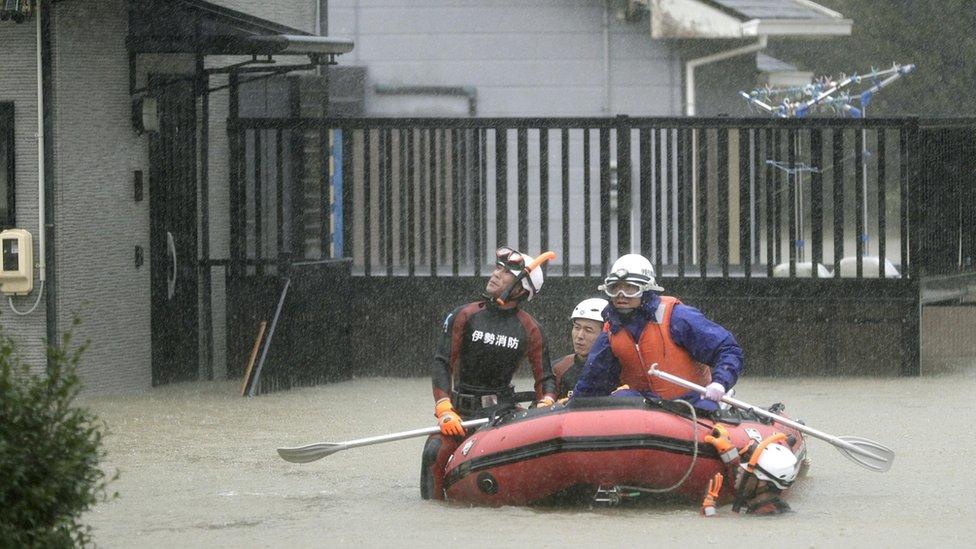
644	328
587	321
481	346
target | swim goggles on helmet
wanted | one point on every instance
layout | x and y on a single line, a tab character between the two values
510	259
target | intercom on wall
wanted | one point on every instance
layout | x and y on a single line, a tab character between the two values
16	262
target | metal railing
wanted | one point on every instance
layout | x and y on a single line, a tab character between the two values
701	197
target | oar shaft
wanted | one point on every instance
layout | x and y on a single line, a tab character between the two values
379	439
759	411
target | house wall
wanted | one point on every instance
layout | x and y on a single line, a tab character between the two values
536	57
97	221
18	84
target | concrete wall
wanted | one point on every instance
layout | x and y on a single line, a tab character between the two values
18	84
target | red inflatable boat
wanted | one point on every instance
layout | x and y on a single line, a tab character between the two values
598	449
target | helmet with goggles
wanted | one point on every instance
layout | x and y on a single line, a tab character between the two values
514	262
630	275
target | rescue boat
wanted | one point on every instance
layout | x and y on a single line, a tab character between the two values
600	449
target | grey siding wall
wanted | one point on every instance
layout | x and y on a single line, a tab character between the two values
538	57
18	84
97	221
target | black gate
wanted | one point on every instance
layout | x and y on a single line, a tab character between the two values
173	234
808	238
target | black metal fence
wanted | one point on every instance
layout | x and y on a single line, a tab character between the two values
813	240
700	197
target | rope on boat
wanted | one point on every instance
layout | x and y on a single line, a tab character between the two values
694	458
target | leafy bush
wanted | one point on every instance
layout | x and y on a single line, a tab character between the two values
50	451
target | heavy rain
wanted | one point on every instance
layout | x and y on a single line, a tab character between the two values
487	273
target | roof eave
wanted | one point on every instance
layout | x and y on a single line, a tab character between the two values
797	27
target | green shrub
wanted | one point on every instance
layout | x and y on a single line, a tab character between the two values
50	451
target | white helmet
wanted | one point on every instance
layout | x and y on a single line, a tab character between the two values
532	282
590	309
633	268
776	464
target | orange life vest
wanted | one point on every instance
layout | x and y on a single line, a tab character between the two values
657	346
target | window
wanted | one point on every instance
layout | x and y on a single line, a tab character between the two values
6	165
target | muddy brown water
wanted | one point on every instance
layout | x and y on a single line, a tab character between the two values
199	469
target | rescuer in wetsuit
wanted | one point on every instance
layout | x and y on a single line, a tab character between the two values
587	324
481	346
759	473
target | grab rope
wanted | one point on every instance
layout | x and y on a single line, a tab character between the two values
691	466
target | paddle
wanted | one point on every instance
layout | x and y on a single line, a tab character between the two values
866	453
319	450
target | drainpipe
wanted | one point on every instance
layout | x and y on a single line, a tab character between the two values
469	92
608	104
41	245
41	167
691	65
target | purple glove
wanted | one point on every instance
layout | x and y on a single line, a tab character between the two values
714	391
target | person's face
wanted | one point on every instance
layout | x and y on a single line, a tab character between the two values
500	279
584	334
619	292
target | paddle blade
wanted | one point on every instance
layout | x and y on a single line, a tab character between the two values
309	453
872	455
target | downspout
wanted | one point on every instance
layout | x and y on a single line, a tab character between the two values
607	105
41	179
693	64
469	92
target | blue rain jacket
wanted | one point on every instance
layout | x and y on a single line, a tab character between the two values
706	342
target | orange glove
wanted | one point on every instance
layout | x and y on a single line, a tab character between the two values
711	497
448	418
621	388
545	402
723	443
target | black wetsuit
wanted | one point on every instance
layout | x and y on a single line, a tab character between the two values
481	347
567	371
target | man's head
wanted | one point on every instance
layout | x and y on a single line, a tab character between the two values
587	320
509	266
630	276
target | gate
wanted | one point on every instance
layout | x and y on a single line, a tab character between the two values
807	238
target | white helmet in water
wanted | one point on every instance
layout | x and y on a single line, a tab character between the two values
776	464
590	309
634	269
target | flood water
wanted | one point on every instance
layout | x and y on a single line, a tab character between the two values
199	469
